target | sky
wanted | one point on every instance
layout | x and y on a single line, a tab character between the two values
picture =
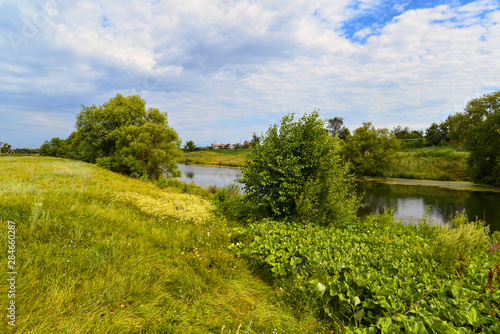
225	69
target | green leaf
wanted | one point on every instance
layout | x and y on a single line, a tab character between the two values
321	288
360	315
472	316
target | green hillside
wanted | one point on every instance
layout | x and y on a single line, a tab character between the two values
97	252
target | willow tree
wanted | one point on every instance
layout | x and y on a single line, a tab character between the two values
123	136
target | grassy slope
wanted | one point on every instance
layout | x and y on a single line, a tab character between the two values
430	163
233	158
97	252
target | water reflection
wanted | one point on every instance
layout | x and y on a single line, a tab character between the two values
208	176
411	202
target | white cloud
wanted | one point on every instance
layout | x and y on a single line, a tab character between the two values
229	67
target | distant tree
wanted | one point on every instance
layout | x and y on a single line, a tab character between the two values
255	140
344	133
26	151
478	127
406	133
334	125
123	136
336	129
437	133
296	171
189	146
56	147
371	151
6	148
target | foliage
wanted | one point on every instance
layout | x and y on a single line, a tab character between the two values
296	172
460	241
255	140
189	146
478	126
371	151
55	148
375	276
5	148
336	129
437	134
121	135
405	133
25	151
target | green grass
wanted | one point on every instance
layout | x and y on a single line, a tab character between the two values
444	163
231	158
94	256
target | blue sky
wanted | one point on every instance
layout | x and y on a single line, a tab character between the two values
224	69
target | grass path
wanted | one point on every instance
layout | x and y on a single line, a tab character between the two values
97	252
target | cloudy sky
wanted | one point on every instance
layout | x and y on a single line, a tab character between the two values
224	69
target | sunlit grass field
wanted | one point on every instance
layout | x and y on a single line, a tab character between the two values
97	252
221	157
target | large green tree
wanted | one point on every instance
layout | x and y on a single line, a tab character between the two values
371	151
123	136
296	171
478	127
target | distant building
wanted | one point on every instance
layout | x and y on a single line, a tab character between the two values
217	146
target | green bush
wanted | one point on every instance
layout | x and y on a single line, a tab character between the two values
371	151
377	276
460	241
296	172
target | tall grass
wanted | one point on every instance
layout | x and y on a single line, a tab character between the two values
445	163
97	252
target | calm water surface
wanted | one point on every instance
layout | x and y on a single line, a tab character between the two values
410	202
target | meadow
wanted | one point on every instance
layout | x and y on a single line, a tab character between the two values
220	157
98	252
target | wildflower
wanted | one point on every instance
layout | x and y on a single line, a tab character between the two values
494	247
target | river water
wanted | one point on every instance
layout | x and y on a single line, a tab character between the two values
410	202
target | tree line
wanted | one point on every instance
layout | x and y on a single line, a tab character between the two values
123	136
371	151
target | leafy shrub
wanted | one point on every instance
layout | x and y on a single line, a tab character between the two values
232	203
371	151
296	172
463	239
376	276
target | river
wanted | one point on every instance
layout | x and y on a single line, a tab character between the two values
410	201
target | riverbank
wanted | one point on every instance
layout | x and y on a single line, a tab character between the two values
445	163
453	185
